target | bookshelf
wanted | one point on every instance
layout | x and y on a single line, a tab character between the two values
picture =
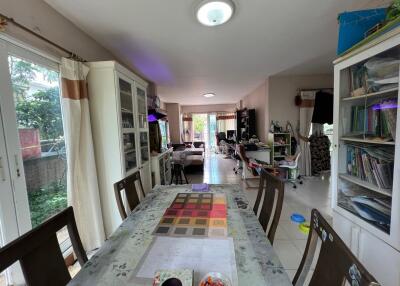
366	156
280	145
245	124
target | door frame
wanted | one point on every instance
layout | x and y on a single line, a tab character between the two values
15	217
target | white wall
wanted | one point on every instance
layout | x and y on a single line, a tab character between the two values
174	121
41	18
274	99
258	99
282	91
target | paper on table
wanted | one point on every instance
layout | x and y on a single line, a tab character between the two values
201	255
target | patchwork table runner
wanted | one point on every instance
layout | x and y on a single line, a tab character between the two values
195	215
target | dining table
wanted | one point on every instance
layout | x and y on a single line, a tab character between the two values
121	257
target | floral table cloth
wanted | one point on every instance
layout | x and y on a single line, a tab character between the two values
118	259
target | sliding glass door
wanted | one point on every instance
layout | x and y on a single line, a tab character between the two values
32	150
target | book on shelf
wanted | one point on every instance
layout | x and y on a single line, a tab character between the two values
371	164
375	120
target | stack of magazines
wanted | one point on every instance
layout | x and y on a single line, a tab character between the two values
373	209
372	164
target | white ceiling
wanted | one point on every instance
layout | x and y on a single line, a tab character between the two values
162	39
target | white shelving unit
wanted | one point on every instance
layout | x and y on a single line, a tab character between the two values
377	245
279	150
120	132
161	167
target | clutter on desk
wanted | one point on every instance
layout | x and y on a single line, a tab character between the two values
275	127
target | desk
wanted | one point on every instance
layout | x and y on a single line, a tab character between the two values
117	261
262	154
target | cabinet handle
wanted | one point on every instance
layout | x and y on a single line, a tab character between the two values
3	176
17	166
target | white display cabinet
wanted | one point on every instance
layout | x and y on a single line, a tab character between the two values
118	109
366	165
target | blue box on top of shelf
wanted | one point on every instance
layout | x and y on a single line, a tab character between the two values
354	25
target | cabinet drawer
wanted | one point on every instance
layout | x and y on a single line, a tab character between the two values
381	260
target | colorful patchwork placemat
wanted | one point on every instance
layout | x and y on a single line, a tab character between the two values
195	215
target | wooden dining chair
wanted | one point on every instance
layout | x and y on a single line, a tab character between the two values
39	253
270	186
336	263
129	186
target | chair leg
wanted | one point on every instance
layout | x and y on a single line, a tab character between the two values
184	175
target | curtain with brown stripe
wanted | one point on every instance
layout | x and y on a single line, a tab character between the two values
82	185
226	121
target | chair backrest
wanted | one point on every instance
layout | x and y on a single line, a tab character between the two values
132	197
39	253
271	186
336	263
296	161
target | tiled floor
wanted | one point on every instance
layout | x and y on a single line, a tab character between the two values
289	241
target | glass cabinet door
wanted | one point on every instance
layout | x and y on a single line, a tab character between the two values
144	147
128	124
126	99
142	107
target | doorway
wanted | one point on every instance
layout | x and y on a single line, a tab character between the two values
32	148
204	129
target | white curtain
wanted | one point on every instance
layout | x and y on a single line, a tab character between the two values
225	121
82	186
306	112
187	127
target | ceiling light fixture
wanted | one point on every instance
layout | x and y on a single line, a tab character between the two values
208	95
214	13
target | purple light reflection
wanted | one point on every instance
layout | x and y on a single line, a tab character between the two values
151	118
384	106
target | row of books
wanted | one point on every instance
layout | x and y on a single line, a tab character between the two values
377	119
372	164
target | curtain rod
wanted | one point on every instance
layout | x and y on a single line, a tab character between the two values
11	20
315	89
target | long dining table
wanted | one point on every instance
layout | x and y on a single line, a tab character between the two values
118	260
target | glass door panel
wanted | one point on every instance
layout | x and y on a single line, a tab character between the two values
142	107
130	151
367	129
36	95
212	119
126	98
144	147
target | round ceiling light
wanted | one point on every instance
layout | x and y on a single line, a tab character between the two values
213	13
208	95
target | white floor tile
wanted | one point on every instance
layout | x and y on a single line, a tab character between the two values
288	254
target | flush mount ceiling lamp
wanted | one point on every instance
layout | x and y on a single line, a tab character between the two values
208	95
214	12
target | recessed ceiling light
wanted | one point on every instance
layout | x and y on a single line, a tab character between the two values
208	95
214	13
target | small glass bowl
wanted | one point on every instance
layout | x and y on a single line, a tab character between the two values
216	277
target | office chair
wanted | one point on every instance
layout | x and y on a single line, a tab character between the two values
292	168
